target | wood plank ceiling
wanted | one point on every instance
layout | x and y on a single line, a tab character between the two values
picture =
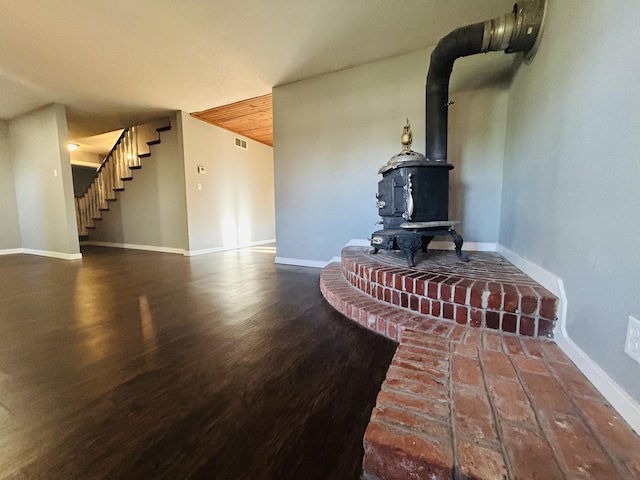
252	118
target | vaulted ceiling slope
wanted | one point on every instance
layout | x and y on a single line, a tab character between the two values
252	118
119	62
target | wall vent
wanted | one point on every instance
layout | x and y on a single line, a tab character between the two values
240	143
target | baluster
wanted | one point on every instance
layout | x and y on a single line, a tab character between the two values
110	183
83	220
103	190
98	191
78	223
107	182
134	144
91	201
85	211
127	136
94	201
118	160
112	173
125	151
89	207
87	199
125	161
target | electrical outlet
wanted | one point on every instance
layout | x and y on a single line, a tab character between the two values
632	344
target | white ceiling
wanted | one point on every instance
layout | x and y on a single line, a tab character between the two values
114	63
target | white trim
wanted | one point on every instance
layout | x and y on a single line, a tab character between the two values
45	253
619	399
132	246
11	251
438	245
466	246
626	406
205	251
301	263
545	278
358	242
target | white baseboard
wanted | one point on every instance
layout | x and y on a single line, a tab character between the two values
11	251
179	251
626	406
545	278
46	253
204	251
466	247
437	245
133	246
358	242
619	399
300	262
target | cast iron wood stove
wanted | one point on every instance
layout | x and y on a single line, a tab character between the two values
413	201
413	195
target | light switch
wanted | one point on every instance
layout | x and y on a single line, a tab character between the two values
199	186
55	172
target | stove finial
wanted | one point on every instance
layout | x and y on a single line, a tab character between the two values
407	138
406	155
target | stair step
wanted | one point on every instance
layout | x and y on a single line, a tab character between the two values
126	179
118	189
144	155
153	142
163	129
135	167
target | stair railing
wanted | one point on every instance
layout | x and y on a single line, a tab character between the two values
110	177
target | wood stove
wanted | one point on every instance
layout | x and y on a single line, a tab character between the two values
413	201
413	195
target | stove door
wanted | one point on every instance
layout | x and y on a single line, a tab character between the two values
391	196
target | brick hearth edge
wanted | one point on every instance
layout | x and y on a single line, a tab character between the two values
419	428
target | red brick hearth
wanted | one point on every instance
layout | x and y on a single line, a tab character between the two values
488	292
475	403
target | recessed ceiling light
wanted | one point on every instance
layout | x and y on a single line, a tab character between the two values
72	147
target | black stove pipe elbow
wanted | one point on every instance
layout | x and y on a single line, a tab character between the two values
461	42
516	31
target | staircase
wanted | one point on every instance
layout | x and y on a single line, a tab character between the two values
116	169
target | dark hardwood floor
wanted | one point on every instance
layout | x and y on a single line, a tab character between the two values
135	365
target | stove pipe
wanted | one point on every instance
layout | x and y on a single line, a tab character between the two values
517	31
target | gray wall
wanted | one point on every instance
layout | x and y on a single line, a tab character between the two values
235	205
82	178
332	133
151	211
571	189
46	211
9	227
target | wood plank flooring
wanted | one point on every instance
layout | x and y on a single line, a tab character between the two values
143	365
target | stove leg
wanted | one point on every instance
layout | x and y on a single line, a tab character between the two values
409	245
374	250
458	241
425	243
